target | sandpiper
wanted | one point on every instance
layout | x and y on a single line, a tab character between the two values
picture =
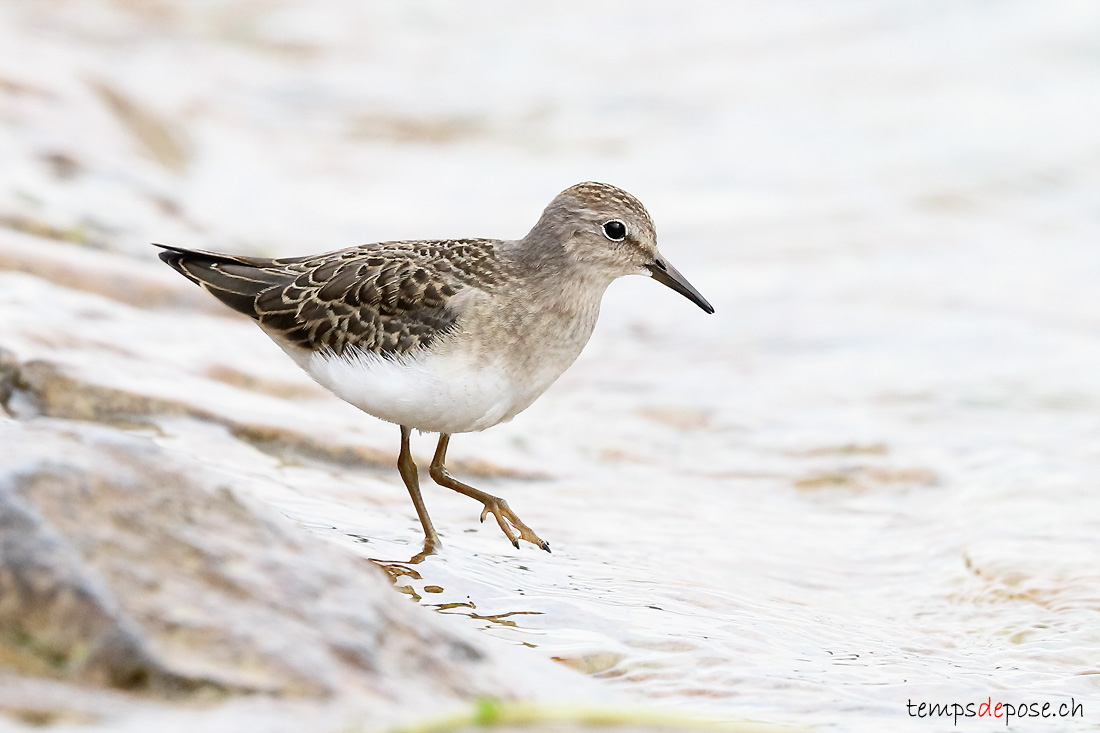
447	336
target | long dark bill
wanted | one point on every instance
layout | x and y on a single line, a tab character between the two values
666	274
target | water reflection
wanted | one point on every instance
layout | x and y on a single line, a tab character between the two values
754	590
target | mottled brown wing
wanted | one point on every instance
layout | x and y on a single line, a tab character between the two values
387	298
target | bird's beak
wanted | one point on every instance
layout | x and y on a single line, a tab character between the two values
666	274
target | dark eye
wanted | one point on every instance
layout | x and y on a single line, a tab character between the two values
614	230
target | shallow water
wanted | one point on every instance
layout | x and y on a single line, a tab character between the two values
871	477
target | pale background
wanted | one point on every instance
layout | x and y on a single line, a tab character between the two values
870	477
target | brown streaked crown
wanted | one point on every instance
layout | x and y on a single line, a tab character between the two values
605	198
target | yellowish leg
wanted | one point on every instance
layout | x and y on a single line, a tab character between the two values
497	506
407	467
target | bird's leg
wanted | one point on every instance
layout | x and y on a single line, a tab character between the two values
497	506
407	467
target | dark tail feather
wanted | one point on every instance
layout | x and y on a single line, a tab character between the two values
235	281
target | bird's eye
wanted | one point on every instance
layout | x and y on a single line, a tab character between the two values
614	230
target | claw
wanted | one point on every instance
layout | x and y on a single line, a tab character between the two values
507	519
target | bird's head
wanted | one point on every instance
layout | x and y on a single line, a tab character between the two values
608	233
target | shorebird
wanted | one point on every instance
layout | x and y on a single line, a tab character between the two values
447	336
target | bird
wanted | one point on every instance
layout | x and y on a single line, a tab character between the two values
446	336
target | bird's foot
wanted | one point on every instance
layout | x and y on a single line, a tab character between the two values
431	547
507	519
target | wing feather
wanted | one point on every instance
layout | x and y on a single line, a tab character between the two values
388	298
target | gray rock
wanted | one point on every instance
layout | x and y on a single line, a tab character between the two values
9	370
126	566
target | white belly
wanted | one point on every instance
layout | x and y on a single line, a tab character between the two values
431	391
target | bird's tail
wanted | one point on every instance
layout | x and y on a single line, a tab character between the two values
234	280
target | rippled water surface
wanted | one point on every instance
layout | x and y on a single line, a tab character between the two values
871	477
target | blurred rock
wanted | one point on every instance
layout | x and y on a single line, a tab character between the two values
125	566
158	137
9	368
61	257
